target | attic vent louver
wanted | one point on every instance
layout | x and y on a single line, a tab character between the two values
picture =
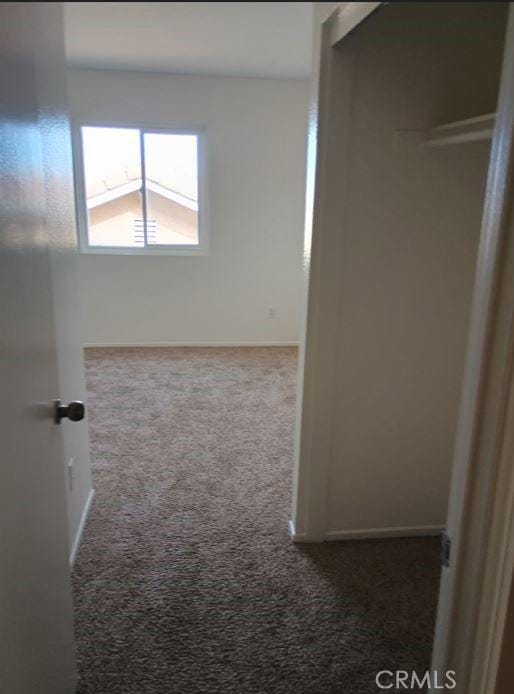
139	231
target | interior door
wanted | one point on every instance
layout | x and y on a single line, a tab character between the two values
36	628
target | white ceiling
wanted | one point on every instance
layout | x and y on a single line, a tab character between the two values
257	39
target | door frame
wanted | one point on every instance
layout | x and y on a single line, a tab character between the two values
475	588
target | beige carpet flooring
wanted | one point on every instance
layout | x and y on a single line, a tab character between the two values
187	581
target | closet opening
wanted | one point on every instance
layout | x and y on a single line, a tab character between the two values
407	113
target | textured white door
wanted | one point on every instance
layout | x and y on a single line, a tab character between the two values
36	629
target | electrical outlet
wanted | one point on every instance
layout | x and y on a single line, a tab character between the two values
71	471
272	313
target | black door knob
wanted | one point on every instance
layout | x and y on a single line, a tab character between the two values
75	411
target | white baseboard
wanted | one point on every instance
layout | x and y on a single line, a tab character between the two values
83	519
298	537
377	533
295	537
276	343
369	533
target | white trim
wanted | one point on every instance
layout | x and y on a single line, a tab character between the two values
350	15
297	537
368	533
148	250
471	611
325	208
377	533
153	250
276	343
83	519
499	566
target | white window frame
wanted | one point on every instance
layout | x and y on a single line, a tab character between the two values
201	248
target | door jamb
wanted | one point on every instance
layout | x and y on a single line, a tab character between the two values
316	388
474	589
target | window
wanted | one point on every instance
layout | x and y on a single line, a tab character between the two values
139	190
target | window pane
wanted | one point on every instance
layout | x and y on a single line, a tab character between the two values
112	171
171	178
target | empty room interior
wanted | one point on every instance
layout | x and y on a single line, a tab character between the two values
264	259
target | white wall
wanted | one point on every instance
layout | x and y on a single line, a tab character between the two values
393	258
256	133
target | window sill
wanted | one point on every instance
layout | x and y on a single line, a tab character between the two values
145	251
